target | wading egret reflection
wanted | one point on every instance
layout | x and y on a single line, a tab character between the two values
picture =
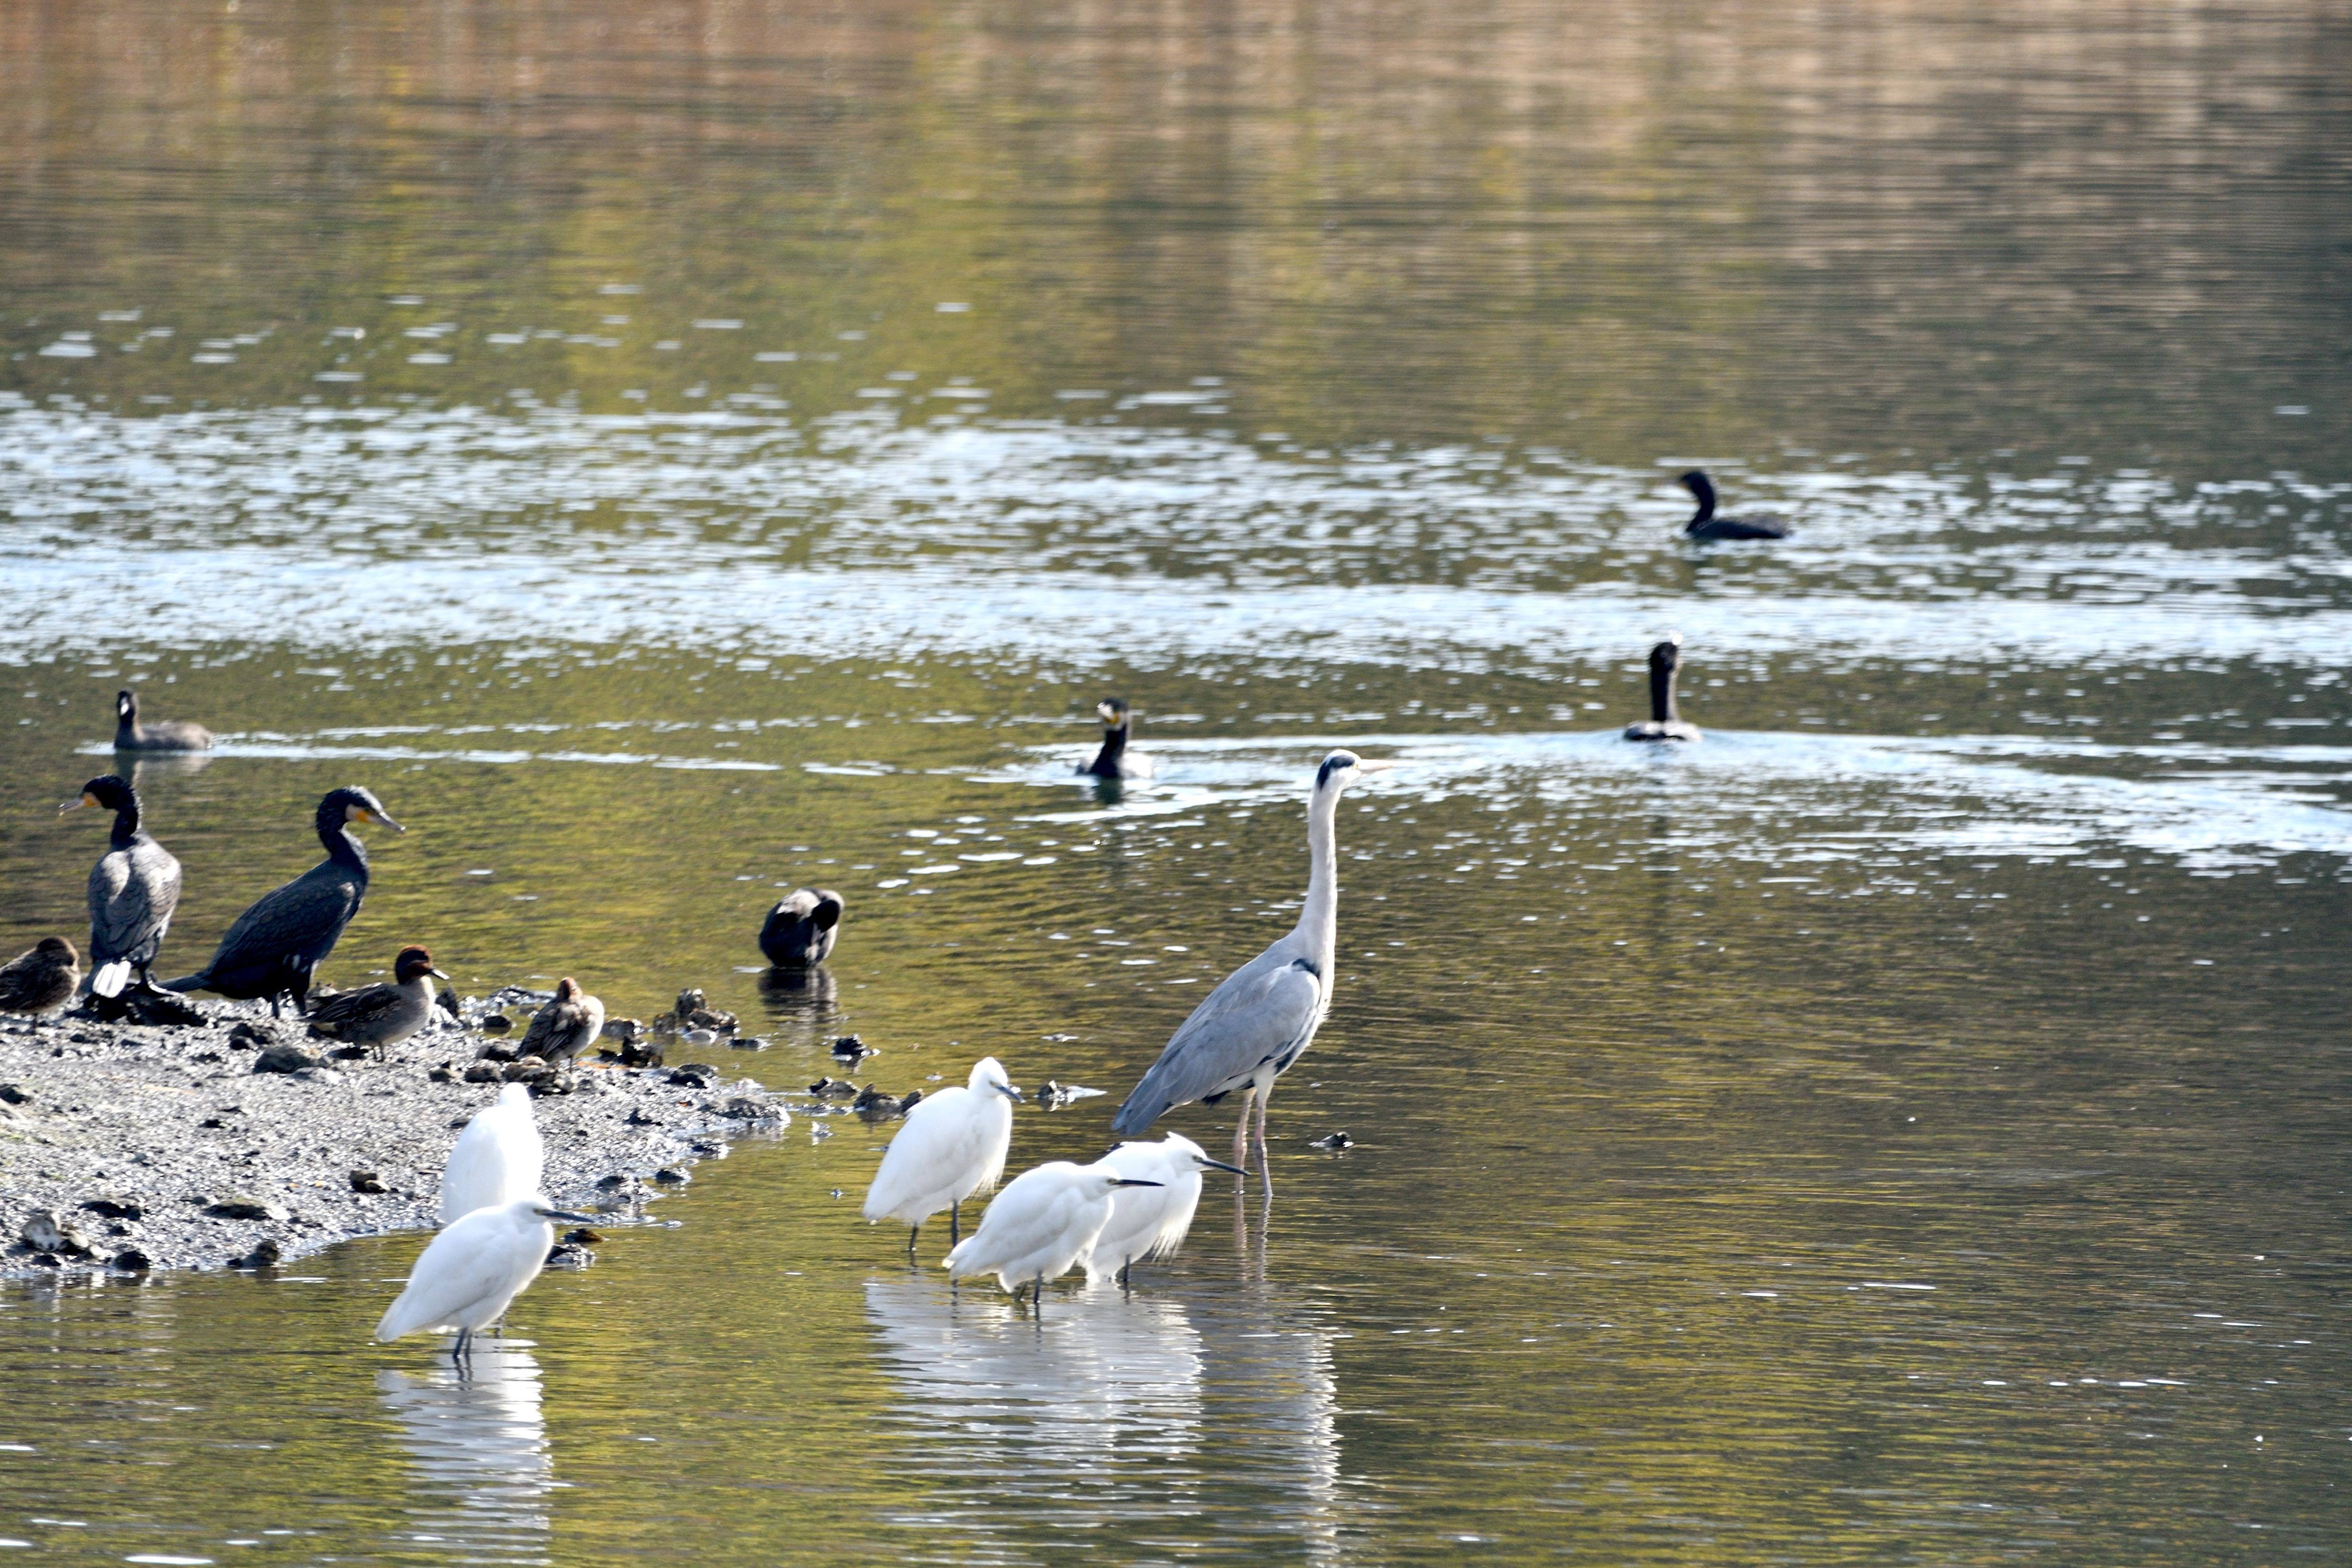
1149	1222
498	1158
1258	1022
468	1273
953	1144
1042	1222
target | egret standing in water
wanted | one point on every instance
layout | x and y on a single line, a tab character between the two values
1115	761
1149	1221
1663	723
1252	1028
134	890
467	1274
1041	1224
279	944
498	1158
952	1145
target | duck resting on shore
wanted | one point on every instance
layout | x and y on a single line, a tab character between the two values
41	979
1663	723
382	1015
565	1026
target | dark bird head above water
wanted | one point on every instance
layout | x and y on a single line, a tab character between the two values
108	792
1705	525
1114	713
170	735
1115	761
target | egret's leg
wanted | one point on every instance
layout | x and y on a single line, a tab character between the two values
911	1234
955	1222
1125	1270
1037	1298
458	1351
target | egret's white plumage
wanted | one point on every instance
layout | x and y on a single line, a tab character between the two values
1149	1222
952	1145
498	1158
1042	1222
467	1274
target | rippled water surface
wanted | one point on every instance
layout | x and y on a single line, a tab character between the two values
674	451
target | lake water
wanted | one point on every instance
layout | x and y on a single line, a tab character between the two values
673	451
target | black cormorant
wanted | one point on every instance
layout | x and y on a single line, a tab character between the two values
1663	723
800	930
275	946
170	735
1115	761
1707	525
134	890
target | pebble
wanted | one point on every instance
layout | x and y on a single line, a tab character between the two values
284	1058
246	1208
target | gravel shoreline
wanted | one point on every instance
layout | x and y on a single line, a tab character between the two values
165	1148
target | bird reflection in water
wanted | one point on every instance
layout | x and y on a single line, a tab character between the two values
801	1005
1128	1414
477	1442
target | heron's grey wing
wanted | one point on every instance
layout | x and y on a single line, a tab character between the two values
1263	1012
132	893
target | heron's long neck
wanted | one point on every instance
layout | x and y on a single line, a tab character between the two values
1318	921
1662	693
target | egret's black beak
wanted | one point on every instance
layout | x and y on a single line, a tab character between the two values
1007	1089
1219	1166
1126	1181
567	1215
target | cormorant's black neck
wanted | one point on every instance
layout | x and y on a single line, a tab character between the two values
126	824
342	845
1114	746
1662	692
1704	489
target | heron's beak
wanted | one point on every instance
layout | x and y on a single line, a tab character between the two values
1378	767
86	799
567	1215
1126	1181
1009	1091
1208	1163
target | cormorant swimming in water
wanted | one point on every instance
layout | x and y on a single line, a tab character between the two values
1663	723
1707	525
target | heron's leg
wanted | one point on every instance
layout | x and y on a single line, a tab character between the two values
1241	1132
1264	1171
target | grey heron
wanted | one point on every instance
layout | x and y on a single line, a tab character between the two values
1663	723
1707	526
1258	1022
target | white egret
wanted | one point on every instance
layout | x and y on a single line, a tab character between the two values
1149	1222
952	1145
498	1158
1042	1222
1262	1016
467	1274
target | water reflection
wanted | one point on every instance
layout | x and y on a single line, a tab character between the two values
476	1443
1126	1410
801	1005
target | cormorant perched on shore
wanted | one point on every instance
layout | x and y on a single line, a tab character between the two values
134	890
